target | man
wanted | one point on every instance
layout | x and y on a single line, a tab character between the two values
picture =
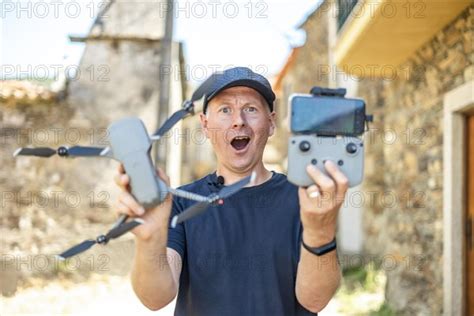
260	252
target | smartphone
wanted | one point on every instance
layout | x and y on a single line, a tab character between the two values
326	116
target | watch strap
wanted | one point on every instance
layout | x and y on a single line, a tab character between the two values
321	250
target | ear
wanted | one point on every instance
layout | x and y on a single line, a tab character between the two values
203	119
272	127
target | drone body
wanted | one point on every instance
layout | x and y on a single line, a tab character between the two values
131	145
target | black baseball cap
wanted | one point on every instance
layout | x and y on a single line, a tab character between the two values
239	76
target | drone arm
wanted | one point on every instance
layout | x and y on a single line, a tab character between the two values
188	195
64	151
187	108
107	153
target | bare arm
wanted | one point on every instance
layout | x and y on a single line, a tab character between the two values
156	268
155	275
318	277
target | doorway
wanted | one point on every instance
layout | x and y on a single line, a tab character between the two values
469	242
458	155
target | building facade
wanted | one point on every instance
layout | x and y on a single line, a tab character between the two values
413	63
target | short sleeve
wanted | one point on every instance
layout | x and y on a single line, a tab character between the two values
176	236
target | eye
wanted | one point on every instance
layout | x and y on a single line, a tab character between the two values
225	110
251	109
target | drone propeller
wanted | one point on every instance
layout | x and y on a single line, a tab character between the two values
63	151
200	207
102	239
39	152
188	108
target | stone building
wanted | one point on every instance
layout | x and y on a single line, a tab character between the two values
413	63
119	72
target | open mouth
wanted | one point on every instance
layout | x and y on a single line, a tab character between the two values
240	142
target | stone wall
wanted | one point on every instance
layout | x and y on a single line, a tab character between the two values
413	106
47	205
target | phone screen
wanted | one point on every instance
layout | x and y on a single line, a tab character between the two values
323	115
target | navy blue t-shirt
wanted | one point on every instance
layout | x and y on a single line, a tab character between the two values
240	258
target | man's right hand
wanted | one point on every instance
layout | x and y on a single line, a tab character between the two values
150	273
156	219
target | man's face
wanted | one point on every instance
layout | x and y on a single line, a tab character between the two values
238	123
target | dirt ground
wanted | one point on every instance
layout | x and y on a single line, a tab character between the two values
98	283
111	295
100	295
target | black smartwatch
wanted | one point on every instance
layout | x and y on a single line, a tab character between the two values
319	251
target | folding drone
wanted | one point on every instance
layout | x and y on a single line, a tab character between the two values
130	144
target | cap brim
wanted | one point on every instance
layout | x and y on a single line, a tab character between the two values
267	94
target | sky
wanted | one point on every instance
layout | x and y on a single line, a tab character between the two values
216	34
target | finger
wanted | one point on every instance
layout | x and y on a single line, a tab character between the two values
122	209
123	181
303	196
128	200
325	183
163	176
121	168
342	182
305	200
313	191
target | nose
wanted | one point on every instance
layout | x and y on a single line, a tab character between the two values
238	119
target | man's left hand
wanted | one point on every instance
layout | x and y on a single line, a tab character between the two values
320	203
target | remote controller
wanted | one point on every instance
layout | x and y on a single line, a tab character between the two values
346	152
